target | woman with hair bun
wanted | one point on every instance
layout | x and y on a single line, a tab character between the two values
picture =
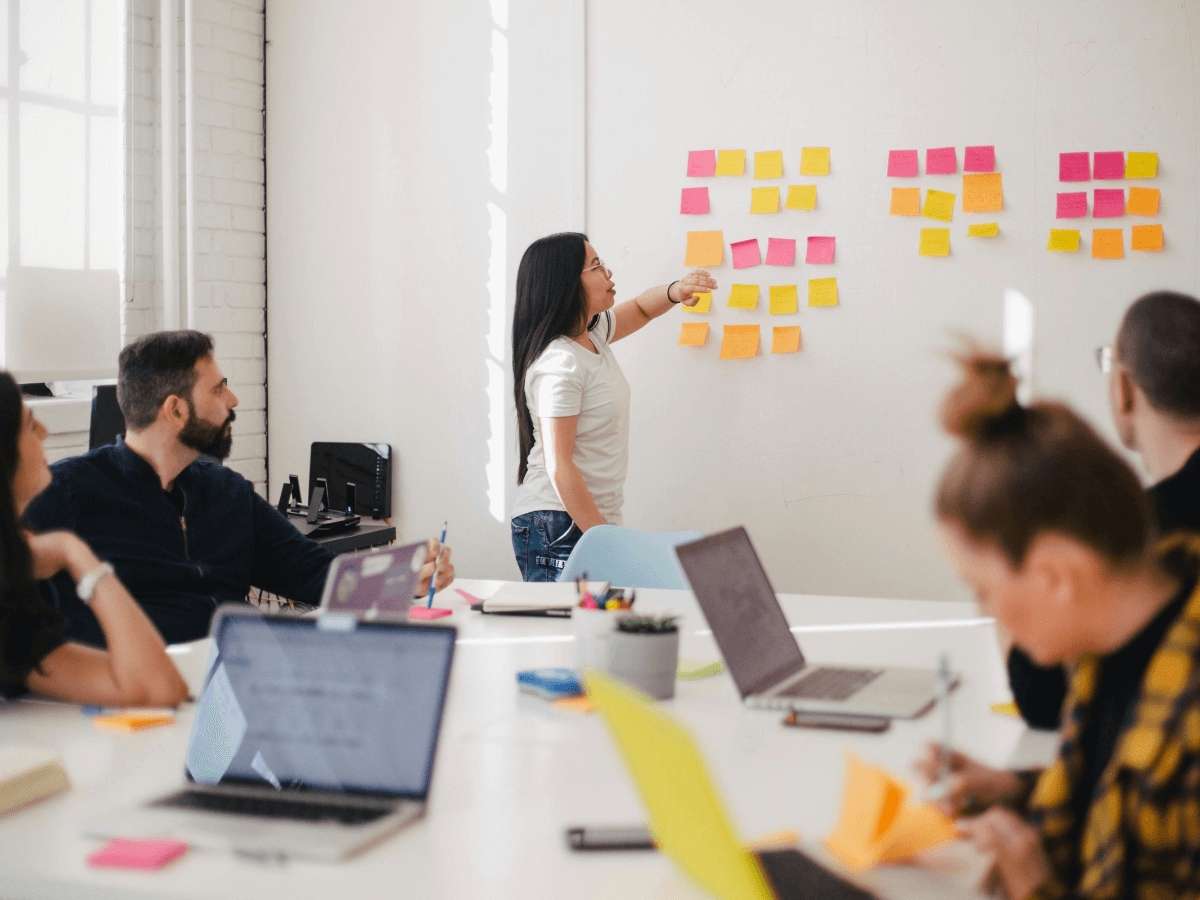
1053	532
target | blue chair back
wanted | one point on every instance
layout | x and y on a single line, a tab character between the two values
629	558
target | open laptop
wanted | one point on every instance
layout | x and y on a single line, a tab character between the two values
687	818
374	582
762	654
312	737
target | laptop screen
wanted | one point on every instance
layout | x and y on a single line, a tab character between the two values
740	606
329	704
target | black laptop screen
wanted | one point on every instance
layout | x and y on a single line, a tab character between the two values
327	704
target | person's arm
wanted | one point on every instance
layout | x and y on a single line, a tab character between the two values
135	670
633	314
558	444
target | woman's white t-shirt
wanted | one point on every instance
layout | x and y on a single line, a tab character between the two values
570	380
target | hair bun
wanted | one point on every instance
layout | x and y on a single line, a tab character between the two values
985	400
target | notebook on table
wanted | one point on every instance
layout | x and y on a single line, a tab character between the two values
536	598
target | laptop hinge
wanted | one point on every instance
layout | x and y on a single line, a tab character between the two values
777	677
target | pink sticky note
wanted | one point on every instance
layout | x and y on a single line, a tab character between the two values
123	854
820	250
702	163
745	254
1072	205
941	161
1110	166
694	202
902	163
979	159
781	252
470	598
1074	167
427	612
1108	204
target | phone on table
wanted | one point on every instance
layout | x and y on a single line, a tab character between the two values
838	720
610	837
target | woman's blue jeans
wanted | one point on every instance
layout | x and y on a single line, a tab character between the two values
542	540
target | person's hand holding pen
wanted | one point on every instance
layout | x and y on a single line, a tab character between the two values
968	784
445	568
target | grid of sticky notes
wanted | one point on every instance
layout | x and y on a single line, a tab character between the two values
750	290
1113	202
982	192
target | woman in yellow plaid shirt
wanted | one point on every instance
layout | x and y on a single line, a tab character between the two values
1053	532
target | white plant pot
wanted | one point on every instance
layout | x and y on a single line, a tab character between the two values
646	661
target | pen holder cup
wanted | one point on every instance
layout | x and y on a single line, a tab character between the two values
646	661
593	627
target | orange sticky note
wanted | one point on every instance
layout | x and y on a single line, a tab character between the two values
814	161
783	299
802	196
703	303
743	296
1142	202
731	162
764	200
1108	243
768	164
693	334
705	248
1147	237
905	202
822	292
582	704
935	242
982	192
785	339
1141	165
132	721
739	342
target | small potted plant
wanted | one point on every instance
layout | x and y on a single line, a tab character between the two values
644	652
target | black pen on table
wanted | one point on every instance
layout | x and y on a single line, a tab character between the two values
437	559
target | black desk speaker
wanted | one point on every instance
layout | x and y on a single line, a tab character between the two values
367	466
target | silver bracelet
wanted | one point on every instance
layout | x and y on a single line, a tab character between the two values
86	586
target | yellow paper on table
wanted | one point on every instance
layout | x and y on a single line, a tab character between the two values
814	161
731	162
764	200
802	196
1065	240
785	339
743	296
1108	243
938	205
739	342
991	229
693	334
905	202
1007	708
822	292
703	304
705	248
982	192
132	721
768	164
783	299
1142	202
1147	237
1141	165
935	242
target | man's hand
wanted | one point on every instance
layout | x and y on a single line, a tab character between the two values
445	568
968	781
1017	848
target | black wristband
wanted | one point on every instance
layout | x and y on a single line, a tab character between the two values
669	286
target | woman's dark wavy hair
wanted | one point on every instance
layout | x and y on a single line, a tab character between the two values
550	304
23	610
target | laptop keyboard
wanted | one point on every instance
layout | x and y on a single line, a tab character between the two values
795	876
828	683
272	807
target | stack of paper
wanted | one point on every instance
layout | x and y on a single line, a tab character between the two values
28	774
540	596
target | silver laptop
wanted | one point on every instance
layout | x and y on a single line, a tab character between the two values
313	737
762	654
374	582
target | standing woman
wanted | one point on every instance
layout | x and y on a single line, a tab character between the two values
572	400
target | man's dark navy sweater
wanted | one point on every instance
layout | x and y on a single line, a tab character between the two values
179	563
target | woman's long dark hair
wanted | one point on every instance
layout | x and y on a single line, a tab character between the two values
25	615
550	304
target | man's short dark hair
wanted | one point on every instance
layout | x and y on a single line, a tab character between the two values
1159	346
153	368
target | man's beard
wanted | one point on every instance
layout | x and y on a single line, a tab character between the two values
211	440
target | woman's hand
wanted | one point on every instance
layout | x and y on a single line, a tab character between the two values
969	780
445	568
58	550
1017	848
697	282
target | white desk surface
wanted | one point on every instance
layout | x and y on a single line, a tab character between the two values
513	771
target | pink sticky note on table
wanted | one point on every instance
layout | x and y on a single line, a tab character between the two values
1110	166
470	598
941	161
902	163
702	163
781	252
820	250
745	254
428	612
694	201
979	159
1108	203
149	854
1072	205
1074	167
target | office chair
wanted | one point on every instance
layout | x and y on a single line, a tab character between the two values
107	421
629	558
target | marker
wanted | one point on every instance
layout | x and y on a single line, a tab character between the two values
437	559
944	678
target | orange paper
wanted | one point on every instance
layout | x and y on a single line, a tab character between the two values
739	342
705	248
693	334
1142	202
785	339
1147	237
982	192
132	721
1108	243
905	202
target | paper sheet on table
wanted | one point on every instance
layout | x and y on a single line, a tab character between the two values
768	164
905	202
820	250
1141	165
694	201
983	192
693	334
941	161
746	254
703	305
1142	202
1108	243
802	196
692	669
1071	205
1074	167
702	163
1064	240
785	339
1109	166
731	162
814	161
783	299
739	342
938	205
781	252
1147	237
764	200
979	159
1108	203
935	242
822	292
743	296
705	248
985	229
902	163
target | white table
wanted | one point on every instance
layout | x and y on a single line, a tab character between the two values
512	771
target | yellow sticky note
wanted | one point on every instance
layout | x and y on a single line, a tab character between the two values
703	304
743	296
764	200
905	202
990	229
1142	202
822	292
693	334
1108	243
935	241
1007	708
1147	237
802	196
1064	240
983	192
938	205
783	299
1141	165
731	162
132	721
768	164
785	339
705	248
739	342
814	161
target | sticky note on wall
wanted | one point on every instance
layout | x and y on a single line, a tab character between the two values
745	254
1141	165
802	196
781	252
1072	205
935	242
938	205
768	164
1142	202
743	296
1063	240
1074	167
694	201
693	334
739	341
989	229
983	192
979	159
703	304
902	163
1108	243
785	339
1147	237
905	202
1108	203
822	292
814	161
784	299
702	163
764	200
1110	166
820	250
731	162
941	161
705	248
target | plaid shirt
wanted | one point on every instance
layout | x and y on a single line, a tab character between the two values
1141	836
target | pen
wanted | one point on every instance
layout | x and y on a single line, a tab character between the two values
944	703
437	559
